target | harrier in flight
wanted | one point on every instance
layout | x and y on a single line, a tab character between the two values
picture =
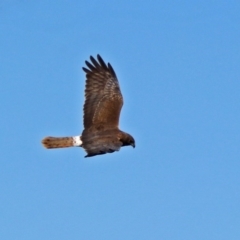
102	107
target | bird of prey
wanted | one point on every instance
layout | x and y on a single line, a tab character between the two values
102	107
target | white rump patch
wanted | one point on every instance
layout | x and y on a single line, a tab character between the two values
77	142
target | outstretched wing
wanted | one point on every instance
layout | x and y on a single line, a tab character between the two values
103	98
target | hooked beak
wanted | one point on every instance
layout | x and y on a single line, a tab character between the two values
133	145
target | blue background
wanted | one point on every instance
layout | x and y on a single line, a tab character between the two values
178	66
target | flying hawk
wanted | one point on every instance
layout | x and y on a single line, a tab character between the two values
102	107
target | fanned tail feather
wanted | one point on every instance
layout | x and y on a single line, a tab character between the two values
61	142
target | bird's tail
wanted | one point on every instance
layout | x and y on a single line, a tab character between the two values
62	142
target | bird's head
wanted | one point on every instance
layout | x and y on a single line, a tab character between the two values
127	140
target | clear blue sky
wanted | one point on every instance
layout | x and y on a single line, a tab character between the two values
178	64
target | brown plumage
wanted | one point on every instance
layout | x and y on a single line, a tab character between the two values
102	107
58	142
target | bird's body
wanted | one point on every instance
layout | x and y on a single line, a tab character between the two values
102	107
